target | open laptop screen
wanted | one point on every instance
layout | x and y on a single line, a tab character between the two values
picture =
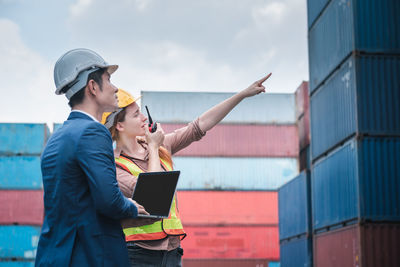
155	192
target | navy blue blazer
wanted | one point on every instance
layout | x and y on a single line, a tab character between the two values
83	204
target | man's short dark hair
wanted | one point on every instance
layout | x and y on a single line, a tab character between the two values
77	98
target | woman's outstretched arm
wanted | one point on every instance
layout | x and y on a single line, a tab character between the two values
215	114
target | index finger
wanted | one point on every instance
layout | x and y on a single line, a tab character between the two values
264	79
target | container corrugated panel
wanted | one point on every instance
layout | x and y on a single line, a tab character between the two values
361	97
302	99
304	130
23	138
314	9
295	207
18	241
369	245
21	207
232	242
183	107
217	173
351	25
221	207
358	181
243	141
296	252
225	262
20	172
17	263
305	159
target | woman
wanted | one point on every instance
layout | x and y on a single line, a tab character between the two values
157	242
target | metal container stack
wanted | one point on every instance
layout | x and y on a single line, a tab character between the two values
21	191
354	57
294	198
227	192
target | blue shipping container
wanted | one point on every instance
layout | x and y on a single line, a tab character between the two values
314	9
18	241
183	107
17	263
358	181
218	173
362	97
274	264
294	200
371	26
20	172
296	252
23	138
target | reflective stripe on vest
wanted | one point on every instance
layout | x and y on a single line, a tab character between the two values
159	229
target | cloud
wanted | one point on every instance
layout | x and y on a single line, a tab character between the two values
79	7
27	89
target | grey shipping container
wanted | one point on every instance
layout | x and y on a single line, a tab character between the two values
362	97
371	26
294	206
357	182
183	107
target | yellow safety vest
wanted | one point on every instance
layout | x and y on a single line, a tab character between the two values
160	229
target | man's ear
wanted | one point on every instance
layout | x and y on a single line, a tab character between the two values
92	87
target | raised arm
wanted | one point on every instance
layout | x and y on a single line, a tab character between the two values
215	114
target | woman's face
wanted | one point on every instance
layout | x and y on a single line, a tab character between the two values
134	122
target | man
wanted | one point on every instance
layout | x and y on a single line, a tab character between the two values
83	204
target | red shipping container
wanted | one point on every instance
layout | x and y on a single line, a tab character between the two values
368	245
302	99
304	130
232	242
228	207
225	262
21	207
232	140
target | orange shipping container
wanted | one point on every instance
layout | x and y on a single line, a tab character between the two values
228	207
231	242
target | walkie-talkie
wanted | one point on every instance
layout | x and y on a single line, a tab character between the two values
152	125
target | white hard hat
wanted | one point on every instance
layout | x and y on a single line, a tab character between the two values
73	68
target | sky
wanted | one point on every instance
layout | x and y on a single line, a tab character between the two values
159	45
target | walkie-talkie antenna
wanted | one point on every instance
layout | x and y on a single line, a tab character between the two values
148	114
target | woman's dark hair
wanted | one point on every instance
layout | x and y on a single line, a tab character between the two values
77	98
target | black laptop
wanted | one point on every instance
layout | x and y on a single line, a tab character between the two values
155	192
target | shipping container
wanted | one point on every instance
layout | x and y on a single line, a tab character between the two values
183	107
351	25
221	207
229	140
22	138
274	264
217	173
302	99
294	200
17	263
18	242
296	252
21	207
304	130
231	242
368	245
362	97
358	181
314	9
304	159
225	262
20	172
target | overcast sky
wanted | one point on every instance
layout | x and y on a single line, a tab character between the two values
168	45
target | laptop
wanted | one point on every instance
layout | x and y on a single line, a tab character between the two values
155	192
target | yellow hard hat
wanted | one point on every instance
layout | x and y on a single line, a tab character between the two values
124	100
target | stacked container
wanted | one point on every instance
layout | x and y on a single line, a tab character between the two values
354	56
21	191
227	190
294	197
